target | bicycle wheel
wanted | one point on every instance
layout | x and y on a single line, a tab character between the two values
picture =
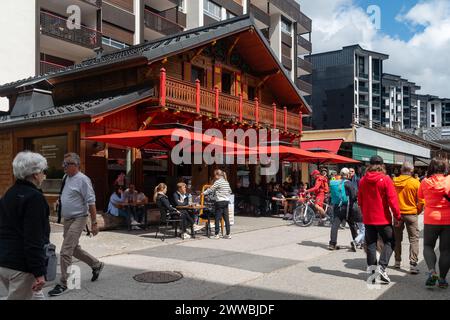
304	216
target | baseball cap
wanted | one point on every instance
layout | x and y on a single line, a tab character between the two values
376	160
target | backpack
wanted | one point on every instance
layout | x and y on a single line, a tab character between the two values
338	194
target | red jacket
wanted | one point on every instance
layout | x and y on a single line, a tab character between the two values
376	195
321	186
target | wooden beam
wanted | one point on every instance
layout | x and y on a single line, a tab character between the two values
233	46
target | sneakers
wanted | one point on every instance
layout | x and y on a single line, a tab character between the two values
57	290
413	269
217	237
432	279
383	276
135	228
353	245
96	271
397	265
227	236
185	236
198	227
443	284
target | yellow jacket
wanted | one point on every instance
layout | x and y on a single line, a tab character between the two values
407	188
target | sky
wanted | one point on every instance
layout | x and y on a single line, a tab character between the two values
414	33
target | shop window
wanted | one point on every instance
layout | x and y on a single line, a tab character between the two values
53	149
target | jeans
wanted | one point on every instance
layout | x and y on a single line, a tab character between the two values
186	220
411	222
386	233
361	233
340	215
431	234
221	211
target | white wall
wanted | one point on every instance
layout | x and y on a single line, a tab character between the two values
379	140
194	13
138	8
19	56
275	34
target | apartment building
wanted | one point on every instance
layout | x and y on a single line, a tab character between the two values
347	87
438	112
52	34
401	106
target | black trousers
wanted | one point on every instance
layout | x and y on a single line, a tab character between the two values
386	233
186	221
431	234
221	210
340	215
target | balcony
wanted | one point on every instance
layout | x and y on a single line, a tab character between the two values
376	77
190	97
363	75
304	44
364	103
261	16
376	91
160	24
292	9
306	66
363	89
304	86
54	26
48	67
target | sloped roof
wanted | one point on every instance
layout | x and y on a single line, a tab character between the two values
161	48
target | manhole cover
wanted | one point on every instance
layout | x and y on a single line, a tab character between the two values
158	277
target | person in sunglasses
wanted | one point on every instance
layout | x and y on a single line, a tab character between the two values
77	202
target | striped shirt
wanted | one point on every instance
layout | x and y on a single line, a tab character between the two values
221	189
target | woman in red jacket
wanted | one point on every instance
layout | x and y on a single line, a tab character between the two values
435	189
376	195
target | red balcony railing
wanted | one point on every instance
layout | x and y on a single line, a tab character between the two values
194	98
161	24
47	67
55	26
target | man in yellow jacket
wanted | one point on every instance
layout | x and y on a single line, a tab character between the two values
410	207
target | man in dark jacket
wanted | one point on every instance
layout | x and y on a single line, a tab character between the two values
24	229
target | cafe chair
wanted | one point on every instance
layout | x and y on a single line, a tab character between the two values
165	220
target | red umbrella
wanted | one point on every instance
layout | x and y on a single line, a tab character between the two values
163	139
331	158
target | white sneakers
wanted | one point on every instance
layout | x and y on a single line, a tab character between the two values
185	236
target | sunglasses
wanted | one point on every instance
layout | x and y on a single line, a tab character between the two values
66	164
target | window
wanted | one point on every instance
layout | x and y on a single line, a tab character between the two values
432	108
361	64
286	26
433	118
182	6
53	149
227	80
198	73
251	93
211	9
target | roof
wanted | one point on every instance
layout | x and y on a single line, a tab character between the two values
355	47
86	109
163	47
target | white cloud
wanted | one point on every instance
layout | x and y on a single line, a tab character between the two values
424	59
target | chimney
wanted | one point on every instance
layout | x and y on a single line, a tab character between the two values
32	101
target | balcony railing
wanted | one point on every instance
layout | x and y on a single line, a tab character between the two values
47	67
194	98
160	24
376	77
363	89
305	65
304	43
363	75
364	103
304	86
57	27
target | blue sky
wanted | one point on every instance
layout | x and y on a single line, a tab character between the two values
389	11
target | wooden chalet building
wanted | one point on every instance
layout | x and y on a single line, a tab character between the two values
224	75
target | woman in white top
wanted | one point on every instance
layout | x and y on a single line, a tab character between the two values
222	191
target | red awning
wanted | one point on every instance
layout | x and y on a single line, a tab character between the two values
331	158
322	145
162	139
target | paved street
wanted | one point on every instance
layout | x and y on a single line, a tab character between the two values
267	259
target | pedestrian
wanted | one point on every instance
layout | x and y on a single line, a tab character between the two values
343	196
435	189
77	201
376	197
320	189
411	206
222	191
354	179
24	229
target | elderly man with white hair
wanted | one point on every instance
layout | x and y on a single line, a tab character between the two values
24	229
77	202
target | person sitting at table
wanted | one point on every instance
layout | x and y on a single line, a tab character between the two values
277	199
141	201
130	194
162	200
181	198
116	206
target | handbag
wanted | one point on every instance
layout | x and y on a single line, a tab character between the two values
51	262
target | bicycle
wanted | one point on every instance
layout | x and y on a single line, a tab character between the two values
305	213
